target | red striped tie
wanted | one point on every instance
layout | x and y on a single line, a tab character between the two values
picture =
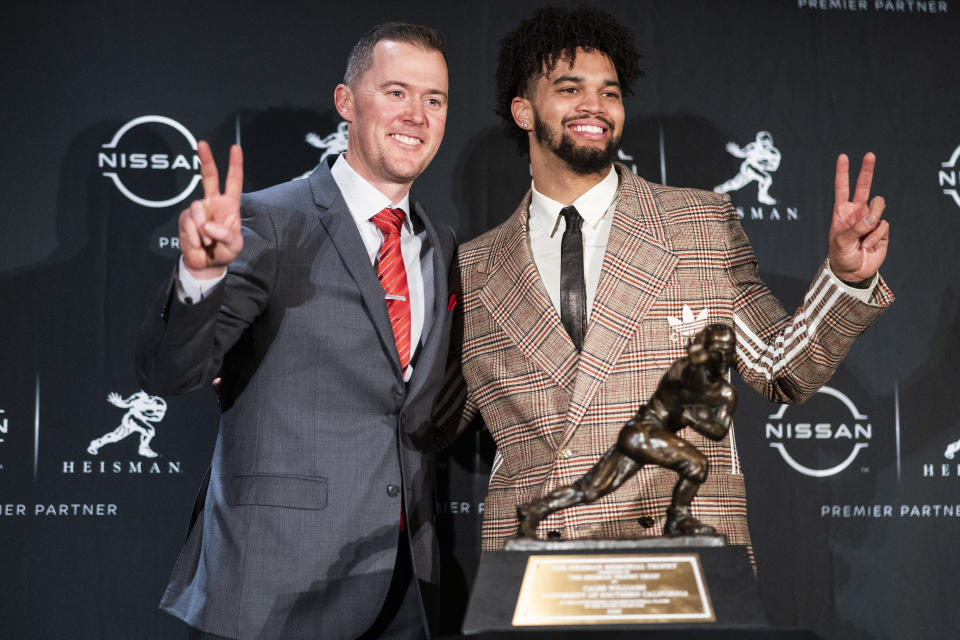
393	279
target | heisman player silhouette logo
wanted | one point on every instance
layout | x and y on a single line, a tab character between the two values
335	142
951	450
627	160
760	159
142	409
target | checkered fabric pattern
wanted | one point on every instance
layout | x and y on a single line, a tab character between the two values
676	260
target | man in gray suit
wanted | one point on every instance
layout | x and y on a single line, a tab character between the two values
329	327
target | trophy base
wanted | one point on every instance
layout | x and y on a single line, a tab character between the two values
687	582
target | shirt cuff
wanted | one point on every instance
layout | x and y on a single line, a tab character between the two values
863	294
189	289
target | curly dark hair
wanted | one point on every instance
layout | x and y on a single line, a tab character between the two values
553	34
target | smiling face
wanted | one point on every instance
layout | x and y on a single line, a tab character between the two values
576	112
397	113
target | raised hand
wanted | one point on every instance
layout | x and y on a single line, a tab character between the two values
858	237
210	234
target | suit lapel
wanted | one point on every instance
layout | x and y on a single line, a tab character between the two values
515	297
336	219
431	341
636	265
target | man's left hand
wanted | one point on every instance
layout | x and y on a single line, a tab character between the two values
858	237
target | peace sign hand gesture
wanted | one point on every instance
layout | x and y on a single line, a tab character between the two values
210	233
858	238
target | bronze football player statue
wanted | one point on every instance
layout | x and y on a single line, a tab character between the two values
694	392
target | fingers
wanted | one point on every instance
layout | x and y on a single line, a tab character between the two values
208	170
878	238
865	179
193	221
210	228
877	206
858	237
234	184
841	183
189	237
879	234
219	233
211	178
864	221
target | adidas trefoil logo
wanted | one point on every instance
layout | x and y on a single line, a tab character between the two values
687	325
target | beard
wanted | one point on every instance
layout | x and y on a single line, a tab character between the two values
582	160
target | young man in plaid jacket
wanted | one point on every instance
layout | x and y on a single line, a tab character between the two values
559	346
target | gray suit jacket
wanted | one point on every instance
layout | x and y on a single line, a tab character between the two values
295	534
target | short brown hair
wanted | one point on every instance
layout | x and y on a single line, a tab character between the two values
361	56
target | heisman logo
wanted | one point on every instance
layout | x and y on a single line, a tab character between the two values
787	431
626	159
760	158
951	450
945	469
949	178
140	151
334	143
142	409
687	325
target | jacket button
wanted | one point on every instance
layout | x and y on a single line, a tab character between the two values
554	535
393	490
646	522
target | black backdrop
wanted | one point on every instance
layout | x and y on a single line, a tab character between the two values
854	502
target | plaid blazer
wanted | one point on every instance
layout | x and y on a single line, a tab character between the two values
676	260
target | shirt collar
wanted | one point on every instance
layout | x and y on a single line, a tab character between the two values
363	199
592	204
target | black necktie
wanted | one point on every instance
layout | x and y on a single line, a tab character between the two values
573	291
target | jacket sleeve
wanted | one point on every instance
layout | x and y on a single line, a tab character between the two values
181	346
788	358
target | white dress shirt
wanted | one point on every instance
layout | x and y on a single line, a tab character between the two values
545	231
364	201
545	227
